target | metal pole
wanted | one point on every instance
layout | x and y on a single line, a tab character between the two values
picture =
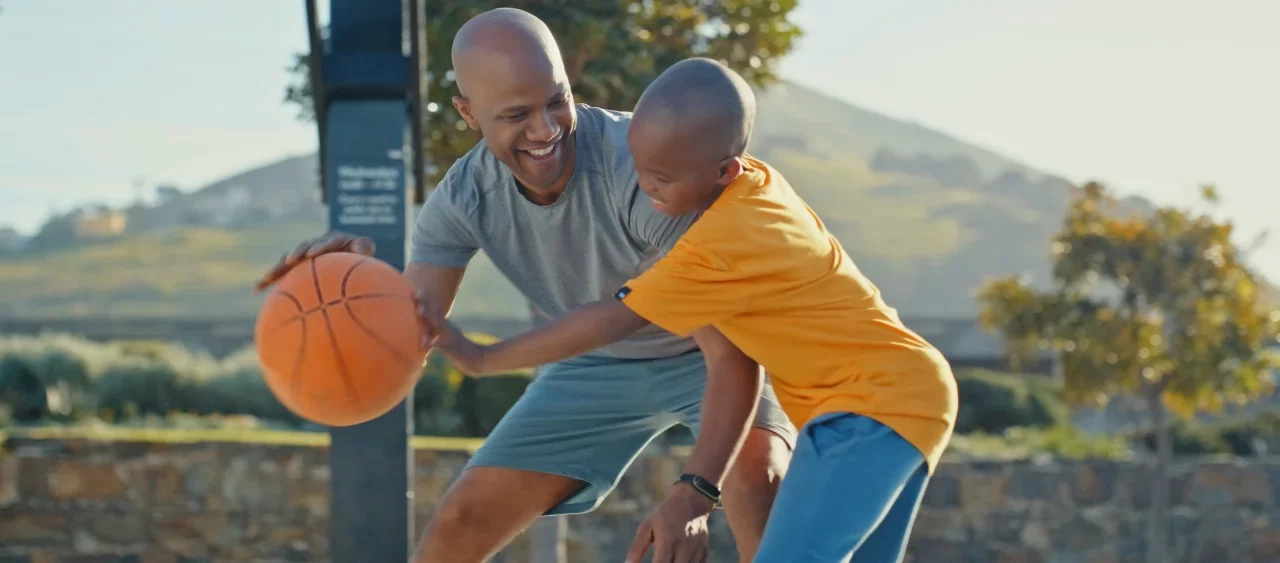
362	89
547	540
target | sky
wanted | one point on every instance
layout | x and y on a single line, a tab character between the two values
101	100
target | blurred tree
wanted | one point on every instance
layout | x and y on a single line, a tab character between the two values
22	394
1160	307
612	49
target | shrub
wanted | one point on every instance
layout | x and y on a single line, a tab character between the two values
481	403
55	359
150	349
1059	441
65	367
236	387
994	402
22	395
434	397
1253	437
447	403
1187	440
141	386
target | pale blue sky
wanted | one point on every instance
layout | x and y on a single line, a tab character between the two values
1151	97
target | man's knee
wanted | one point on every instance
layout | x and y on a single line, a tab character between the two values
485	508
493	494
458	509
760	465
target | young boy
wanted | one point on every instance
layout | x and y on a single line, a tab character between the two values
876	404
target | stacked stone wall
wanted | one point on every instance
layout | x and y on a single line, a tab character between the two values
75	500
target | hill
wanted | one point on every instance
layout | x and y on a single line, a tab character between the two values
926	215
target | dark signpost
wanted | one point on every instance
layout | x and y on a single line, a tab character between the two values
367	87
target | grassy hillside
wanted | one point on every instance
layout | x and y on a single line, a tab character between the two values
927	216
200	271
832	129
170	272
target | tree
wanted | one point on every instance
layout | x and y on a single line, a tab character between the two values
612	49
1154	305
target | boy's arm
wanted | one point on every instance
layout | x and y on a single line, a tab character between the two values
688	289
734	384
585	329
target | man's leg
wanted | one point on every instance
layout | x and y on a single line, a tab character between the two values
753	480
560	450
485	508
751	485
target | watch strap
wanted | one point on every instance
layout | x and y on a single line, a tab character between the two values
702	485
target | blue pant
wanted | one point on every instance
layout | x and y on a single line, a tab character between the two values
850	494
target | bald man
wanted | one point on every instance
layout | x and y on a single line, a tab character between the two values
551	196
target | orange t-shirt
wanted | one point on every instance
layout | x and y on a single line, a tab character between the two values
760	266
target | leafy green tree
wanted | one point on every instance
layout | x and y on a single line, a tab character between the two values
1158	306
612	49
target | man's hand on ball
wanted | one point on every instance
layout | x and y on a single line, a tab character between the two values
335	241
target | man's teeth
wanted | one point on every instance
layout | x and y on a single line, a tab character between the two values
542	152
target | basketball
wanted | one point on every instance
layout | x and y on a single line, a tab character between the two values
339	340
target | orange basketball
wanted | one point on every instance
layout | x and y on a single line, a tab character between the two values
339	339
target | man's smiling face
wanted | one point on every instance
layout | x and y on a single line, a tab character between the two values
521	103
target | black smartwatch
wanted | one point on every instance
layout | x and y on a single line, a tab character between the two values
703	486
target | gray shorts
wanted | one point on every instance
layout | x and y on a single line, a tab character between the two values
589	417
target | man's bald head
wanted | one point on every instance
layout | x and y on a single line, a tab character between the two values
506	35
703	96
514	90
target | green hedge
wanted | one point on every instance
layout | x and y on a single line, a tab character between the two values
1248	436
1255	436
125	379
21	391
993	402
61	378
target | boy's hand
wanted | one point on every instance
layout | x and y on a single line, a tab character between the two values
464	353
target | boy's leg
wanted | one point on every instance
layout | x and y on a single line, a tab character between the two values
559	450
846	477
889	541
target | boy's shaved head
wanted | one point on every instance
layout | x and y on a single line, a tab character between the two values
705	97
689	134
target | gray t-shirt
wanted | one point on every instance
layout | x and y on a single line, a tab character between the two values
600	233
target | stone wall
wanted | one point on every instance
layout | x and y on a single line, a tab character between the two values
77	500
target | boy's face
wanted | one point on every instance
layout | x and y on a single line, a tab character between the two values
677	174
